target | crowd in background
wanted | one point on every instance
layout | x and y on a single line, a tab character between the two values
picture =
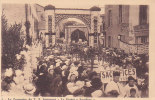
70	73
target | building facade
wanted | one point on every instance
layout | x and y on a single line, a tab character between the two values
90	17
141	29
127	24
24	14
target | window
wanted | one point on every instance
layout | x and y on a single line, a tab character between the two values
95	24
143	14
109	18
49	24
109	41
120	13
95	29
143	39
50	28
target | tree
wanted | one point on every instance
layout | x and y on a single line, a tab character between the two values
11	42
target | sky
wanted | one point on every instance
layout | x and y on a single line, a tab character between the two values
82	4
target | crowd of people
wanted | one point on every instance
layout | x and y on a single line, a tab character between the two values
61	74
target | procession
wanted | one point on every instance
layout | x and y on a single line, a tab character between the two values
61	74
66	52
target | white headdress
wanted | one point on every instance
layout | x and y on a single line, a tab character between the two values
73	69
57	64
80	84
95	61
18	56
29	88
18	72
64	67
8	72
67	62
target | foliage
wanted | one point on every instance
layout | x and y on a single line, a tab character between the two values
11	42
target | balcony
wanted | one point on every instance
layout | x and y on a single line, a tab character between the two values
141	30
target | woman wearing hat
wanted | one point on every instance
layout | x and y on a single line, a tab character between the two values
8	78
50	77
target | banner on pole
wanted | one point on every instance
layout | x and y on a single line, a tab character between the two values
107	76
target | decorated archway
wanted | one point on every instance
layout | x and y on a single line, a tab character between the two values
66	27
83	17
91	17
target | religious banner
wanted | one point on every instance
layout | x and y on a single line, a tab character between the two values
107	76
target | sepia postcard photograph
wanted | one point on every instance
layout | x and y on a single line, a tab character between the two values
75	49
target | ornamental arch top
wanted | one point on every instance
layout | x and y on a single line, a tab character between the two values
55	15
85	18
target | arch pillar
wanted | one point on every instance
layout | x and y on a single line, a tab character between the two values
50	27
96	22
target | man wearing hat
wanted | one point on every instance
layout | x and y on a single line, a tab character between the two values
114	88
56	85
42	81
129	86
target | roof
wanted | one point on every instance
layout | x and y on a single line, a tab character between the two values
94	8
49	7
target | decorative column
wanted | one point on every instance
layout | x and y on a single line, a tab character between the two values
69	35
47	40
66	34
27	26
50	25
95	26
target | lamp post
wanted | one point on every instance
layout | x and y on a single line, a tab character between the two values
119	39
